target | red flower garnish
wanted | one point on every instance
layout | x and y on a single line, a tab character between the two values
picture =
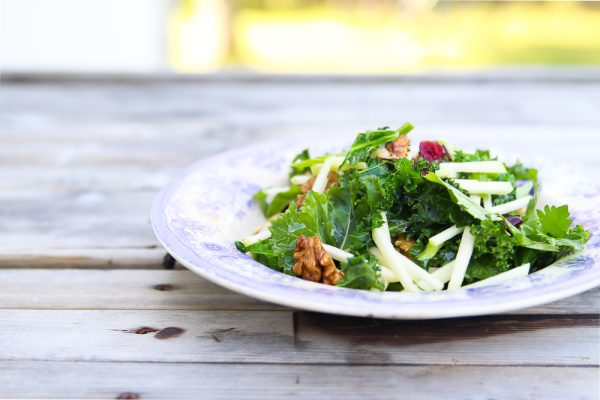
433	151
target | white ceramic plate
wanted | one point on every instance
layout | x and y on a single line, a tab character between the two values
198	217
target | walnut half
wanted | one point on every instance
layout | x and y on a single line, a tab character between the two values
313	263
394	150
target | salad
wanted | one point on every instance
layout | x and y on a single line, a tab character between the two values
388	214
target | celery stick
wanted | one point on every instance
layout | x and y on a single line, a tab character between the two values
262	235
502	277
511	205
402	266
487	202
524	189
386	272
473	167
337	254
465	250
382	239
445	235
476	199
321	179
484	187
443	274
299	179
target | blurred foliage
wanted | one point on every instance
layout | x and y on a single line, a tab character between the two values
370	36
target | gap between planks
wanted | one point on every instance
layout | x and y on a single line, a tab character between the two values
148	257
571	74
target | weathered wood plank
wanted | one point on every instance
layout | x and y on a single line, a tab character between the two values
277	337
67	380
501	101
92	165
83	219
584	303
169	290
84	123
118	290
108	178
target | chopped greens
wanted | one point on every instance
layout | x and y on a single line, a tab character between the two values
361	272
411	220
279	202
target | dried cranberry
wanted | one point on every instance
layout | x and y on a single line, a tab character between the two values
433	151
515	220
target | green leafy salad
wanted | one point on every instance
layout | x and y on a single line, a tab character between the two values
388	214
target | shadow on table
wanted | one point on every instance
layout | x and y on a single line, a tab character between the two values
513	331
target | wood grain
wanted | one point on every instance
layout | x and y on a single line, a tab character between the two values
297	338
119	290
82	161
137	290
70	380
79	219
28	179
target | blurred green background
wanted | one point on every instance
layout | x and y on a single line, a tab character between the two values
399	36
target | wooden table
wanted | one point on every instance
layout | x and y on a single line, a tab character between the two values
90	306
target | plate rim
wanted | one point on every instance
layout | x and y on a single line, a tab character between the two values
177	249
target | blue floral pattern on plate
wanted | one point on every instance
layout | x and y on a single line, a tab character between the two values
199	216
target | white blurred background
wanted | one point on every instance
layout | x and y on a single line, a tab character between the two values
83	35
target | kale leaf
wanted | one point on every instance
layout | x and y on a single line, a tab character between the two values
299	164
312	219
494	249
361	272
479	155
282	200
365	143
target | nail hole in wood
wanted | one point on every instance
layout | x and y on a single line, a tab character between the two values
128	396
164	287
144	330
